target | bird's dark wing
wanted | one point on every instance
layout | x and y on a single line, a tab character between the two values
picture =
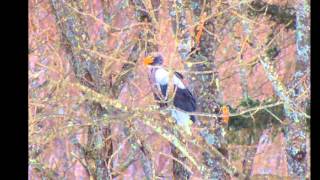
163	90
184	100
179	75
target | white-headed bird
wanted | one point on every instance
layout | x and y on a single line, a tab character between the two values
183	100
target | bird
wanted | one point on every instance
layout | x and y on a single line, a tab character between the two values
183	100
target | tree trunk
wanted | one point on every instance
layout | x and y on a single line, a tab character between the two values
296	132
88	71
295	109
207	91
179	23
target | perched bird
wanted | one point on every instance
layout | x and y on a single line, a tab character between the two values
183	98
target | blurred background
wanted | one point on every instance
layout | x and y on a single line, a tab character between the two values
92	114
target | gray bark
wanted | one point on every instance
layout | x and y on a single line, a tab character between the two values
296	132
88	71
177	12
208	95
295	109
148	47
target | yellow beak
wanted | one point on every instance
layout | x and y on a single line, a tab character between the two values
148	60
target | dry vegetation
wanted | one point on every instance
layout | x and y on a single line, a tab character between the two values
92	114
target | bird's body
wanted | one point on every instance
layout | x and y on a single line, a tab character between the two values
183	99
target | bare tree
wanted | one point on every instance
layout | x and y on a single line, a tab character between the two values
101	63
